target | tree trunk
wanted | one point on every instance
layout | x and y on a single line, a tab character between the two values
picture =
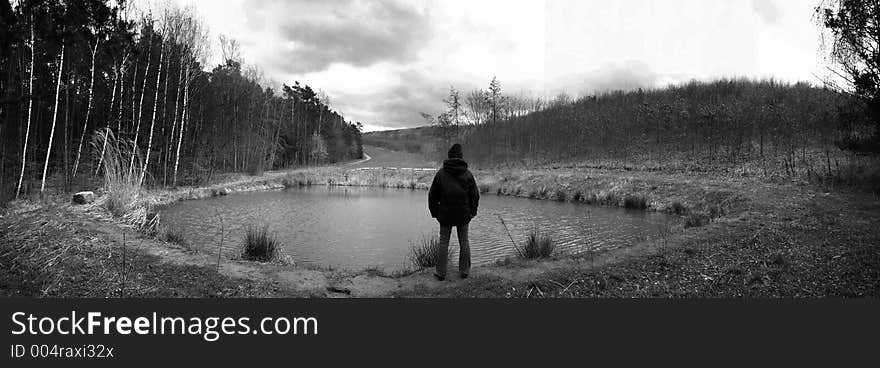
165	120
153	119
54	119
176	114
133	99
27	131
137	128
88	111
112	103
182	126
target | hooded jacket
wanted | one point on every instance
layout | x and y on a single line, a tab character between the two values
453	198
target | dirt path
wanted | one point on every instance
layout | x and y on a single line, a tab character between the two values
365	159
381	157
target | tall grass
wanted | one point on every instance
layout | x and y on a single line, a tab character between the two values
122	180
537	245
635	201
174	235
428	253
259	245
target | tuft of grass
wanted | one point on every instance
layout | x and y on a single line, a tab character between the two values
174	235
427	254
678	208
122	170
537	245
121	164
605	199
560	195
695	220
635	201
259	245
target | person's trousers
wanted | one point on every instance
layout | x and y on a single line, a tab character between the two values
464	254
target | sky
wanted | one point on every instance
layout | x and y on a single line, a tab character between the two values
384	62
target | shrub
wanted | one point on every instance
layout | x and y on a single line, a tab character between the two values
259	245
635	201
427	254
537	245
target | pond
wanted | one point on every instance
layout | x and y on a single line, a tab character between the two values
359	227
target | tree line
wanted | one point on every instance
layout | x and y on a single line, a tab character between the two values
71	69
765	125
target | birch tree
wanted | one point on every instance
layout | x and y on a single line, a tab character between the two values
27	131
82	136
54	119
155	104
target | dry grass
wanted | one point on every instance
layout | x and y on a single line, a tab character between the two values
174	235
52	251
427	254
537	245
260	245
122	167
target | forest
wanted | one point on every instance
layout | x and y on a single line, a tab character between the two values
77	76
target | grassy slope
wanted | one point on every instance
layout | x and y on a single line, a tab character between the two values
382	157
814	245
420	140
49	250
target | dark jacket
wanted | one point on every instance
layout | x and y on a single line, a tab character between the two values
453	198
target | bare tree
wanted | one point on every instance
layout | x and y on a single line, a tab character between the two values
137	128
27	131
155	104
82	136
54	119
194	39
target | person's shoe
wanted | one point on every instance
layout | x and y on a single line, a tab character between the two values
464	275
439	278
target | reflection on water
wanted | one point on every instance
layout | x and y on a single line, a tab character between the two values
358	227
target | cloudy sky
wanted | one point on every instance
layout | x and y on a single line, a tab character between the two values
384	62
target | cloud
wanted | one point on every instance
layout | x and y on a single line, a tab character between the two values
767	10
626	76
397	104
316	34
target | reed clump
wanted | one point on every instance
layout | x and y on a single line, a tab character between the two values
427	254
260	245
537	245
635	201
122	168
174	235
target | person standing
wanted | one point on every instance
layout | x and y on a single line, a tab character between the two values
453	200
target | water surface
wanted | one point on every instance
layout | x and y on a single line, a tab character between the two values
359	227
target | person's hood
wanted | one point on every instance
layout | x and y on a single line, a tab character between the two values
455	166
